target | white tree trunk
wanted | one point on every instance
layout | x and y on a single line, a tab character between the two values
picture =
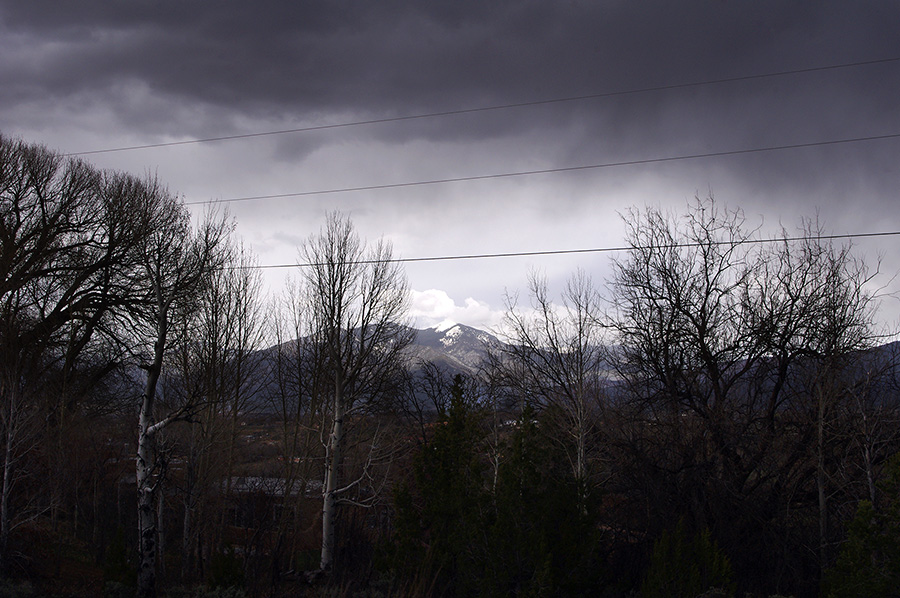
144	469
330	487
146	513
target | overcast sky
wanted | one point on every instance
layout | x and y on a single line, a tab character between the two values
82	76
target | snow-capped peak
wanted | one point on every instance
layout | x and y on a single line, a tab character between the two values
445	326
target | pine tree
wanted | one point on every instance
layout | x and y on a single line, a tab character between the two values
443	515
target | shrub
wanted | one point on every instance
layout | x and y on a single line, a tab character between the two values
12	589
118	568
226	571
683	568
869	561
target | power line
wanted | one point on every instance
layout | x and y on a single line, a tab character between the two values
578	98
459	257
501	175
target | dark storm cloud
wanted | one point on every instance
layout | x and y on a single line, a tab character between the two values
82	75
385	58
327	61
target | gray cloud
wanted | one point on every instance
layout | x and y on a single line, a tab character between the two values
89	74
379	57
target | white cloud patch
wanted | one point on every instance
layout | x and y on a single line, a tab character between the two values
435	307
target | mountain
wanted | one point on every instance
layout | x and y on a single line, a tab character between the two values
456	347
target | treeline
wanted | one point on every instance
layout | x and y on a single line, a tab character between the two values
722	419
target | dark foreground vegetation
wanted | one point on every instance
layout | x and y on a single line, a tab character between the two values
723	422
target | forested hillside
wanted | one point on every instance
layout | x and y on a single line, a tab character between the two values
723	416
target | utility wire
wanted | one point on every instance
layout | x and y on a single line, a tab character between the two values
501	175
578	98
447	258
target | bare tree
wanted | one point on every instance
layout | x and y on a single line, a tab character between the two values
44	211
424	395
215	359
837	321
66	232
296	399
555	355
173	267
357	302
725	345
685	324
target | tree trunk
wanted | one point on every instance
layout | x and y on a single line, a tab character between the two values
581	433
12	415
161	528
332	460
144	470
4	499
820	479
146	513
187	535
870	474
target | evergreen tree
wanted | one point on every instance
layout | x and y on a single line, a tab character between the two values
869	561
443	517
544	540
685	568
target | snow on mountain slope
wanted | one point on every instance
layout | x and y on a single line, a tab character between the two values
456	345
